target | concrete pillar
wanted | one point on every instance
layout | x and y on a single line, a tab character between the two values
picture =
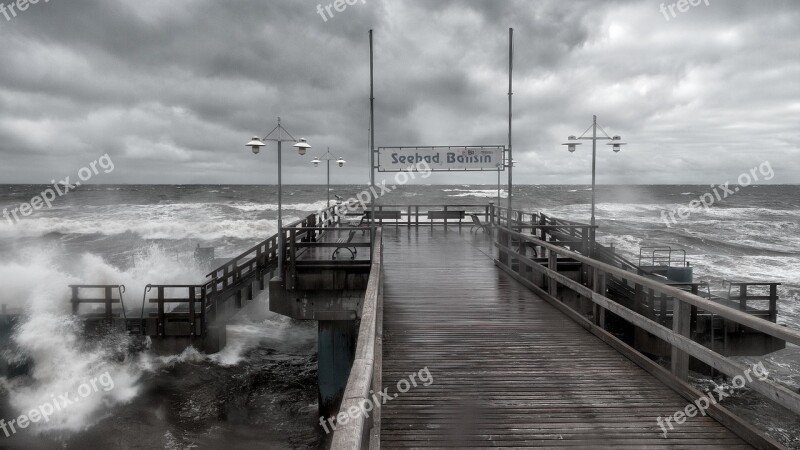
336	348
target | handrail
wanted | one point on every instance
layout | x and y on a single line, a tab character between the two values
365	374
108	300
410	214
678	337
190	300
266	253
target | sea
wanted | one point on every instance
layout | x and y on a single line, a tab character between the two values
260	391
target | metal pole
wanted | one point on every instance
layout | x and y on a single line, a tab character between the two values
329	181
594	165
498	184
594	157
280	210
510	93
372	133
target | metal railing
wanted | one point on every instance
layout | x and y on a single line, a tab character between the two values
662	256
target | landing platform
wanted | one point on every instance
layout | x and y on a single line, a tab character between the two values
509	370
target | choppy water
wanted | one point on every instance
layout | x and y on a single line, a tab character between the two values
260	392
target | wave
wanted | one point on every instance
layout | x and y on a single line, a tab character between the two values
51	339
164	228
310	207
480	193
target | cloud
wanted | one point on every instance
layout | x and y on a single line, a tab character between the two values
173	90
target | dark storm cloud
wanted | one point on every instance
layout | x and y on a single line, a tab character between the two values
172	90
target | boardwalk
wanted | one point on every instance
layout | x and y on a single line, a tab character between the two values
508	368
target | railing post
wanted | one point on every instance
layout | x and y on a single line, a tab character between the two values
599	286
203	306
543	231
192	299
108	299
773	303
161	319
743	297
552	264
75	300
681	324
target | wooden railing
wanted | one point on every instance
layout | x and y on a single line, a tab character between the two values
678	337
108	299
191	322
739	291
264	256
361	431
414	215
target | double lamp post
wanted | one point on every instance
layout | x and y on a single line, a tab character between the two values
280	135
572	143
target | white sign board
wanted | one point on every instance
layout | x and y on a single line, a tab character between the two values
438	159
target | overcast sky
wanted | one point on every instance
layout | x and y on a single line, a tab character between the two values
172	90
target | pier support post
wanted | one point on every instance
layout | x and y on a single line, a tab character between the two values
336	347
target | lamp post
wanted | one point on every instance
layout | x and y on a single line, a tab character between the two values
616	143
279	135
328	156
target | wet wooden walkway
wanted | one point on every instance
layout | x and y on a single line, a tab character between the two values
508	369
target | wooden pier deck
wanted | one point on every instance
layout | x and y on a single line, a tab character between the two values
509	370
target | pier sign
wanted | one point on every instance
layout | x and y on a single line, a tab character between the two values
441	159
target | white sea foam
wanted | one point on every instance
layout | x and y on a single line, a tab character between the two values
52	340
164	228
480	193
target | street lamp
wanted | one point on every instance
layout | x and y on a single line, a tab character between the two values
616	143
328	156
279	135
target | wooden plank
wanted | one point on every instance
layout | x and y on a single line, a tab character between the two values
774	391
743	429
508	368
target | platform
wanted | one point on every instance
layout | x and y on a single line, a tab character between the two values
508	368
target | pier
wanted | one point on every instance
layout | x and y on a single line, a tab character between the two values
534	334
509	368
516	327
